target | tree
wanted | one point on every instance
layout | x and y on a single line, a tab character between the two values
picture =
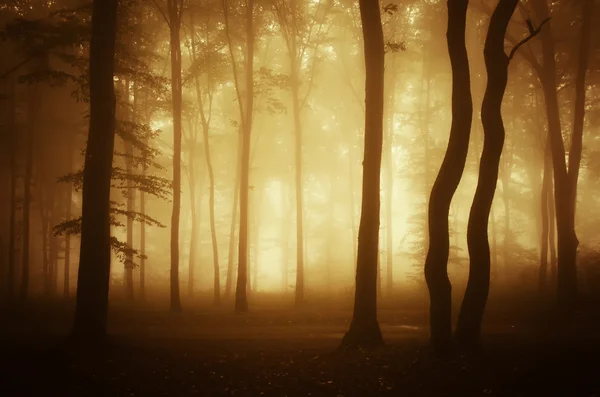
468	330
94	268
447	180
565	179
496	62
175	8
246	108
364	329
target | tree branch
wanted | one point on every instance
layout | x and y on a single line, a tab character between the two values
162	13
532	33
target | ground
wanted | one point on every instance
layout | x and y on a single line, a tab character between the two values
277	352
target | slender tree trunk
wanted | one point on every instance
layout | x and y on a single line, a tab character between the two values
94	269
43	204
256	230
552	234
130	202
12	265
447	180
295	86
286	238
507	232
68	214
234	213
53	244
174	8
143	241
389	194
545	232
30	142
352	204
364	329
241	300
468	329
194	229
567	238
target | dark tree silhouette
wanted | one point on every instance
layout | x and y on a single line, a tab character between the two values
447	180
468	329
565	179
94	261
364	329
496	63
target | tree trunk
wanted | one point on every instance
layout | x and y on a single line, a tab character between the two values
211	175
194	228
143	241
545	232
552	233
506	175
364	329
295	88
234	213
176	90
352	204
447	180
94	271
43	203
468	329
130	202
563	194
241	300
30	142
389	190
12	265
68	214
256	235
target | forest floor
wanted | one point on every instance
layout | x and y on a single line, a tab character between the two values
277	352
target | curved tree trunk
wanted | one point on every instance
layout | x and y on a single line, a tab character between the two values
174	8
94	269
447	180
364	329
468	329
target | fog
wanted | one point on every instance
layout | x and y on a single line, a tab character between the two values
204	197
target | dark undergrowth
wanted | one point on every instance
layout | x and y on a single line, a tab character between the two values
529	351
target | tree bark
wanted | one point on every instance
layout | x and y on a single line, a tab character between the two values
234	213
130	202
241	299
364	329
468	331
175	9
545	229
94	269
447	180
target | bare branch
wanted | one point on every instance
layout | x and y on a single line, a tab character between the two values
532	33
162	13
